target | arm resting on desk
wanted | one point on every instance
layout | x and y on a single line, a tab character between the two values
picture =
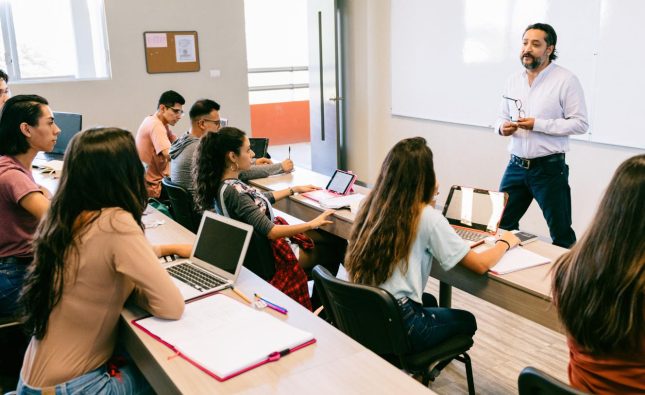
480	262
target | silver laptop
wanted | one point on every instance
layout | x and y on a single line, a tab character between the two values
474	213
216	259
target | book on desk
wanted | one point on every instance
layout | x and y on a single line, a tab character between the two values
225	338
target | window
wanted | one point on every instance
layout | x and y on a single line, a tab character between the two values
53	39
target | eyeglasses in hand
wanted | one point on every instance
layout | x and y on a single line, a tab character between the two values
518	105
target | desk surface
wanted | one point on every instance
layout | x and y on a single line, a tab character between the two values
525	292
334	364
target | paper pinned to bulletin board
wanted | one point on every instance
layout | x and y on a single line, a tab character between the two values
171	52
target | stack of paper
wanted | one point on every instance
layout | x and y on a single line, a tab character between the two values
352	201
517	259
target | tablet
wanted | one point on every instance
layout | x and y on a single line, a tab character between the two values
341	182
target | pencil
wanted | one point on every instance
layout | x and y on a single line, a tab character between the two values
241	295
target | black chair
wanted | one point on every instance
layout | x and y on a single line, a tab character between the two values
532	381
371	316
181	205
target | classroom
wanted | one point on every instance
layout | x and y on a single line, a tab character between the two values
400	80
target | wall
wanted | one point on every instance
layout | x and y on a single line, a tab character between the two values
465	155
132	93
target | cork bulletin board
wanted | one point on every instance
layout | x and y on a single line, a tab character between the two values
171	52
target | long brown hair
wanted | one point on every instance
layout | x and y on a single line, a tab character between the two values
209	163
386	224
101	170
599	286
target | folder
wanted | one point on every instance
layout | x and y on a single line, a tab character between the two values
225	338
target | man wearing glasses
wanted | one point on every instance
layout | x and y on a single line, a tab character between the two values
5	93
541	107
204	118
154	138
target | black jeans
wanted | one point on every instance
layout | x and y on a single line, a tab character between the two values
547	181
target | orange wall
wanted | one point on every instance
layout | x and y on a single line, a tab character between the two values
282	123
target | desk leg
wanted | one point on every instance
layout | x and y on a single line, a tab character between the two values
445	294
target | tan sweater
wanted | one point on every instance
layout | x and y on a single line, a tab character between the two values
115	260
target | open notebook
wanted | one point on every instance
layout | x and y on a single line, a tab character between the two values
225	338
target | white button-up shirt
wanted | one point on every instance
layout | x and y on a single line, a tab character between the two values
557	103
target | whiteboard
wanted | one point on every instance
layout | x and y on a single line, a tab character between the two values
450	59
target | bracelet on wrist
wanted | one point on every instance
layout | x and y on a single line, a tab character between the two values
508	245
291	192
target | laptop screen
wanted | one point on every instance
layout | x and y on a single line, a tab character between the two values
220	244
474	208
69	124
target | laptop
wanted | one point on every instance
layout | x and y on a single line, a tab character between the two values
259	145
69	124
216	259
340	184
474	213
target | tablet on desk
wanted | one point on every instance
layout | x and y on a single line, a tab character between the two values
340	184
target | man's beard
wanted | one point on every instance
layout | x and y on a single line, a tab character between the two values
535	63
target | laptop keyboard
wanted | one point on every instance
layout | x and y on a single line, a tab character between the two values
194	277
470	235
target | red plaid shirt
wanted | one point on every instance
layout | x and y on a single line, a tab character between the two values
289	276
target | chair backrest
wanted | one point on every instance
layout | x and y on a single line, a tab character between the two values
259	257
535	382
183	208
370	315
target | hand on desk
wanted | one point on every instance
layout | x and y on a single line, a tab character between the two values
321	219
510	238
287	165
305	188
183	250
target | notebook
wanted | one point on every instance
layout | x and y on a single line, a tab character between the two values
216	259
474	213
340	184
225	338
69	124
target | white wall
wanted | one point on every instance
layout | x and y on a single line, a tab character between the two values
132	93
463	154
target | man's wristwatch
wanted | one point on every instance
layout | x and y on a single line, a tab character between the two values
291	192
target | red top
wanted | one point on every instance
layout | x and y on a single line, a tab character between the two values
608	374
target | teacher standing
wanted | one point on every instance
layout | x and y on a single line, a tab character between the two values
541	107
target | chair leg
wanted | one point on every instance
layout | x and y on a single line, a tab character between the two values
465	358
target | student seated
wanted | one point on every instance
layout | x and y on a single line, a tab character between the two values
90	255
204	118
396	235
26	128
599	290
220	158
154	138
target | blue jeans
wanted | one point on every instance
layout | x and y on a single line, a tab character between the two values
98	381
548	182
429	326
12	274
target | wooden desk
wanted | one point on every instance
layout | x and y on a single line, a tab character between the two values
335	364
526	292
307	209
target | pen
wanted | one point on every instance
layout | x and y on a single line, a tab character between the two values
272	305
241	295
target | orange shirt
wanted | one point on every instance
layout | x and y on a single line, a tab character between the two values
607	374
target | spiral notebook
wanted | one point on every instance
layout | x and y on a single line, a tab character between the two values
225	338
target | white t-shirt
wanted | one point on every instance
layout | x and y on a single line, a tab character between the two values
435	238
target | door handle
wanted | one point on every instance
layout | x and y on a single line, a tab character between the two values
336	99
